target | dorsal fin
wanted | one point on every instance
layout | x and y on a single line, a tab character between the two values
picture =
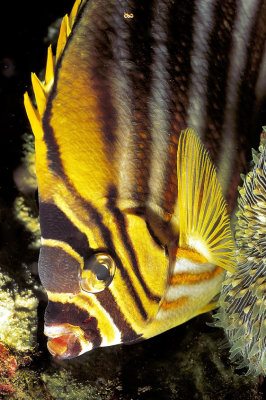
204	223
42	89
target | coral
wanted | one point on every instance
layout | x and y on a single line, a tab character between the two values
25	174
25	215
25	208
8	367
18	314
16	380
61	385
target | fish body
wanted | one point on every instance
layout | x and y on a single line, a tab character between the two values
135	232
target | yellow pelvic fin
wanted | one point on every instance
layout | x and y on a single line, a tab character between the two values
204	223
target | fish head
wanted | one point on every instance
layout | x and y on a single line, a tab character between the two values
101	295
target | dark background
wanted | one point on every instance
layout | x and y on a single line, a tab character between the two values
23	49
23	27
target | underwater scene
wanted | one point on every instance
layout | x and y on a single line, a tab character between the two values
133	200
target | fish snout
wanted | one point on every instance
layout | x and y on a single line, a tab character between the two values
63	342
65	346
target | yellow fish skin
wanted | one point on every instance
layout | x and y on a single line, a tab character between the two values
135	232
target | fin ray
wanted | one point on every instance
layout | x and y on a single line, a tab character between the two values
39	92
33	116
204	223
49	73
74	12
63	35
42	89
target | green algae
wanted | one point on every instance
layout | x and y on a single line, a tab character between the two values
62	386
29	386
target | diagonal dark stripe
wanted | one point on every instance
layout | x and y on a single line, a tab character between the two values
179	45
247	98
121	225
96	218
140	46
220	44
99	60
108	302
248	128
59	313
56	225
53	152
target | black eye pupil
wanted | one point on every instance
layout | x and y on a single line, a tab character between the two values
102	273
100	270
97	272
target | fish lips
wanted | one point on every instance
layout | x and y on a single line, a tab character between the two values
63	342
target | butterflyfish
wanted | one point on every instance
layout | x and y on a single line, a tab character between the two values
135	228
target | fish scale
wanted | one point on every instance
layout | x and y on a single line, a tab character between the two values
123	185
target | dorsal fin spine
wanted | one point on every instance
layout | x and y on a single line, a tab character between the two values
74	12
42	89
49	73
39	92
62	39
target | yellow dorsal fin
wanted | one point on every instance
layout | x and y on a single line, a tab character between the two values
39	92
49	72
204	223
63	35
33	117
74	12
42	89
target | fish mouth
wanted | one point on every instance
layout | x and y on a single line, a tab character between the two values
63	342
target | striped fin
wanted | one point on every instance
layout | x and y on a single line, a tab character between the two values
204	224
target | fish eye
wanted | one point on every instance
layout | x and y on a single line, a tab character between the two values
97	273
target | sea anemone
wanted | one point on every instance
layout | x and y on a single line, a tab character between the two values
242	301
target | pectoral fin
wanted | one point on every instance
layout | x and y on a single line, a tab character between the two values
204	223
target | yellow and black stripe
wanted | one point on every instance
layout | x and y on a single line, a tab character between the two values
116	182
